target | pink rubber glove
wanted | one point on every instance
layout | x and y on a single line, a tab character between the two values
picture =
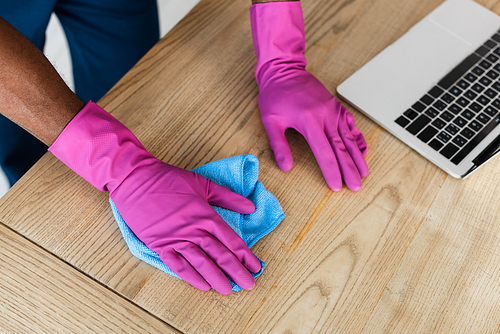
290	97
168	208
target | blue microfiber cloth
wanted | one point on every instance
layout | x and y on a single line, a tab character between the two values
239	174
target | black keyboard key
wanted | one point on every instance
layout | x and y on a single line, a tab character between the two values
455	109
435	92
485	64
483	118
449	150
427	100
485	81
439	105
447	116
444	137
464	84
490	44
460	121
459	70
492	74
456	91
403	121
470	94
436	144
483	100
474	142
477	70
492	58
410	113
476	126
496	37
496	103
475	107
497	51
491	111
482	51
459	140
432	112
418	124
452	129
427	134
418	107
497	67
447	98
468	114
467	133
463	101
478	88
439	123
491	93
496	85
470	77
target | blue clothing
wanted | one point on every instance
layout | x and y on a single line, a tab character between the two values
106	38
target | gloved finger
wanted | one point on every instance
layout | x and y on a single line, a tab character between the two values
204	265
351	144
226	261
348	168
179	265
279	145
232	241
358	136
323	152
223	197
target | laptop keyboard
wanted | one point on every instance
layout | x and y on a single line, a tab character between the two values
463	108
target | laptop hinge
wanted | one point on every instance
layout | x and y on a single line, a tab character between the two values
486	155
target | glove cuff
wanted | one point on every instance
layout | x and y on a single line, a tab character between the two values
99	148
279	39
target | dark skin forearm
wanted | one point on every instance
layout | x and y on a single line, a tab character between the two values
32	94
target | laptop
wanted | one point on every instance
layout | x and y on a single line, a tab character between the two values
437	88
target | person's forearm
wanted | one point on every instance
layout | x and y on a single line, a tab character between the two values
32	94
262	1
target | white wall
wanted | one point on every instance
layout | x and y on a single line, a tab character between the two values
172	11
4	185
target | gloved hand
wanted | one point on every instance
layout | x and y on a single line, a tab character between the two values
291	97
168	208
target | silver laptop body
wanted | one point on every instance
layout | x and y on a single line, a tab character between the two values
406	71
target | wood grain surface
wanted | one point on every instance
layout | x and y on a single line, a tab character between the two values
415	251
40	293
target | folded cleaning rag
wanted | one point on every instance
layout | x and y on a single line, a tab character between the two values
239	174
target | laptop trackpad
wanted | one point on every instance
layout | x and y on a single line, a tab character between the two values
419	61
430	52
403	72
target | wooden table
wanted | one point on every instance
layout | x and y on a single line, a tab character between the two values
415	251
